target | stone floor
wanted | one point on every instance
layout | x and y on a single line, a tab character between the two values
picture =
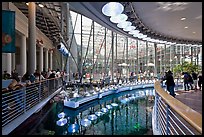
191	98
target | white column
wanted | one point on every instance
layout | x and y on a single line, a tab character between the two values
51	59
8	63
146	61
181	53
161	59
13	61
155	60
200	57
23	58
41	59
46	59
32	37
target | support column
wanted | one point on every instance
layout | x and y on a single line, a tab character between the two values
8	61
184	55
41	59
51	59
197	61
93	53
105	56
32	37
161	59
146	61
62	33
170	57
81	57
127	67
46	59
155	60
191	51
68	67
13	61
137	56
165	56
200	57
112	71
181	53
23	57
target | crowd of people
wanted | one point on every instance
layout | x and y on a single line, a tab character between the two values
191	81
28	78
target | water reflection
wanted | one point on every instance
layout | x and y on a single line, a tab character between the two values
107	116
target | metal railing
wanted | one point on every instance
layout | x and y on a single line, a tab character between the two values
172	117
18	102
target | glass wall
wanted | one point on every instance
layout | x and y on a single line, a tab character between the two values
106	54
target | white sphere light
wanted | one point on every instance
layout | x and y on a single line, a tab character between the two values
112	9
145	38
139	35
119	18
134	32
129	28
124	24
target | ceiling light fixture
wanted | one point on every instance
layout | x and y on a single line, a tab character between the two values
40	5
183	18
119	18
124	24
129	28
112	9
186	27
194	32
134	32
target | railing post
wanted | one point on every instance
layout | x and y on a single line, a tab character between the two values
48	86
156	110
167	119
24	100
177	84
54	81
39	91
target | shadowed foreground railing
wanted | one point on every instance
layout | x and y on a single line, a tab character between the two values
172	117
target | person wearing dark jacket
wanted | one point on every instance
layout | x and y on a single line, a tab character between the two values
185	81
200	81
195	77
170	83
190	81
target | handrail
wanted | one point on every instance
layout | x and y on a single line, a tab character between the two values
191	116
17	102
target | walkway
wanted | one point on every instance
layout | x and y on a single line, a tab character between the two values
191	98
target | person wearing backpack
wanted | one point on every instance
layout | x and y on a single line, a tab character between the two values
195	77
190	80
185	81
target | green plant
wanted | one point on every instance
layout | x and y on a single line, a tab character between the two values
185	67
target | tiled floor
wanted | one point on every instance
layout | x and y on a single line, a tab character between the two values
191	98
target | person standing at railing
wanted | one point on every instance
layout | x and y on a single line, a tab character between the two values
51	82
49	73
38	76
6	75
200	81
26	78
190	80
170	83
185	81
195	77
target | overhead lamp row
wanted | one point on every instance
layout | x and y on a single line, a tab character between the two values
114	11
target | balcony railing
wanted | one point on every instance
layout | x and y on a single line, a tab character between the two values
172	117
17	102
